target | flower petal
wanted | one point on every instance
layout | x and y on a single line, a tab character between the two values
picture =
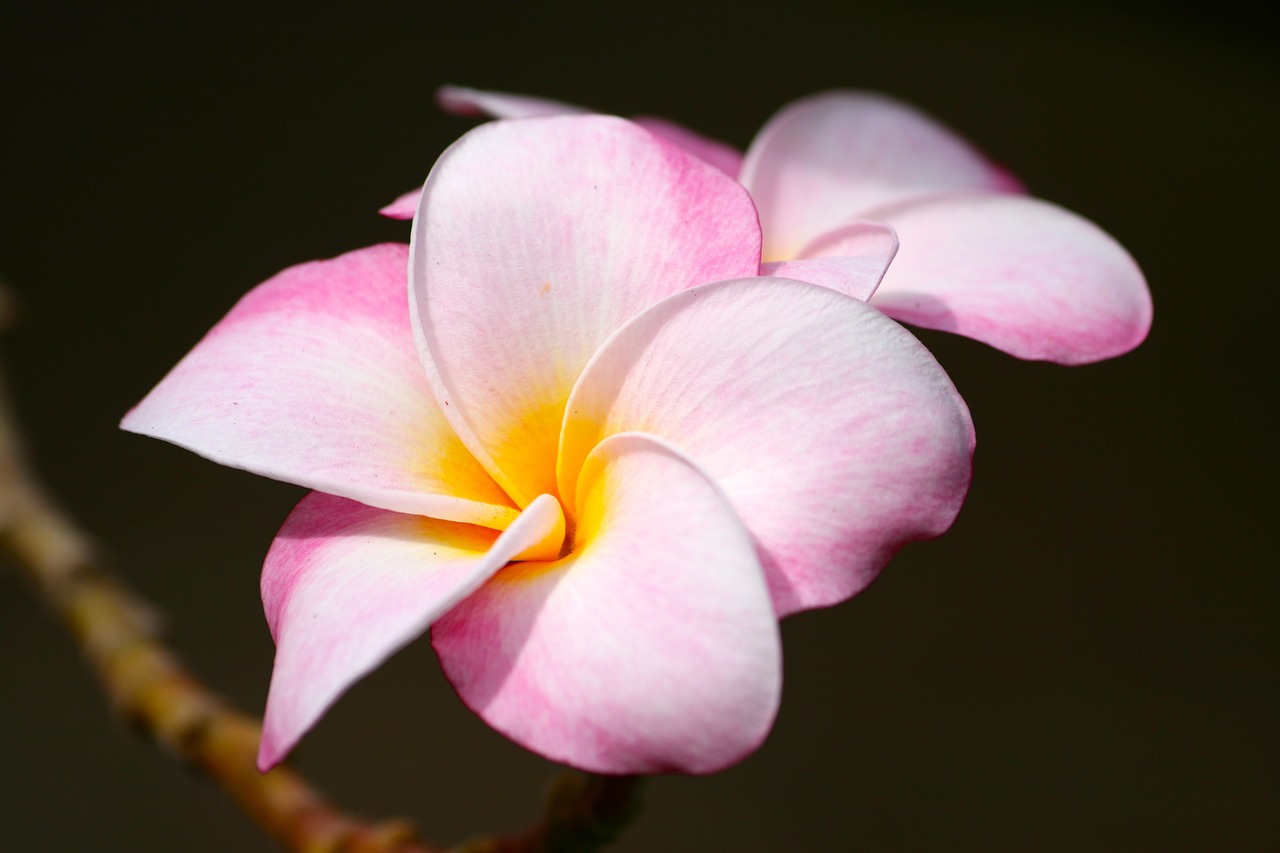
651	648
533	242
345	586
404	207
824	159
835	435
462	100
1015	272
313	378
723	156
851	259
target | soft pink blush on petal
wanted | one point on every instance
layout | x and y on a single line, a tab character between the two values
345	586
651	648
533	242
1020	274
825	159
313	378
851	259
833	432
724	157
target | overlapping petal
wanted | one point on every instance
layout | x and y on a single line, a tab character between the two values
463	100
834	433
345	586
534	240
723	156
1023	275
313	378
651	648
466	101
851	259
824	159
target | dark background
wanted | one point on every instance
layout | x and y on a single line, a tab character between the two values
1087	661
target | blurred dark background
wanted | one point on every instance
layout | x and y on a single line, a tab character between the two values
1086	662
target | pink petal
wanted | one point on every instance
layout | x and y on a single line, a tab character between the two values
313	378
833	432
404	207
345	586
462	100
825	159
724	157
533	242
1018	273
465	101
851	259
651	648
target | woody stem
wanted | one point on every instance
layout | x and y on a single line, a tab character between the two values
117	633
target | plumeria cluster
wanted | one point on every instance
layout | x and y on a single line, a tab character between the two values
626	399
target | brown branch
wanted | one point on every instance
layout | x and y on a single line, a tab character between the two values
146	684
582	814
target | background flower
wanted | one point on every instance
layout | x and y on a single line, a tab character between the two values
828	172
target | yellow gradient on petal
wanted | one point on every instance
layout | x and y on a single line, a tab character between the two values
772	253
449	467
594	491
455	538
525	451
579	436
530	570
593	497
450	540
547	548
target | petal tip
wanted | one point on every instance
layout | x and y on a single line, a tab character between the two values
270	753
458	100
404	207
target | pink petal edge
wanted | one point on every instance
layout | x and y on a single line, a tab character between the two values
826	158
833	432
462	100
465	101
1015	272
851	259
345	586
313	378
723	156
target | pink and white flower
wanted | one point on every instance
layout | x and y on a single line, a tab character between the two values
570	431
975	255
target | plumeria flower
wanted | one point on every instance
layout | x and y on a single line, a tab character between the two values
975	255
572	432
